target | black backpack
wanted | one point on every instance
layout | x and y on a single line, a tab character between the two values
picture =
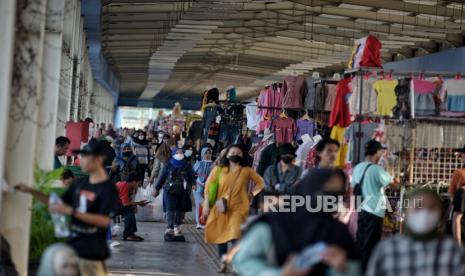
175	183
358	185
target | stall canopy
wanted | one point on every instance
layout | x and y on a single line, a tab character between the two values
174	49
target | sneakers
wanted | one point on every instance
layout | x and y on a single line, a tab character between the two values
200	227
177	231
169	231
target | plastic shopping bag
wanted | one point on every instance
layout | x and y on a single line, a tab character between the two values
152	211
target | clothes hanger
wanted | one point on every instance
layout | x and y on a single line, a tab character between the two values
305	117
283	115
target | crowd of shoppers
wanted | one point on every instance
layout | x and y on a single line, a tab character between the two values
226	191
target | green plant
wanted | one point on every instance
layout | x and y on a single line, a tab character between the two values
42	229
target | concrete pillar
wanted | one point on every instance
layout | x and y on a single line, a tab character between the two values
64	102
48	112
7	34
26	97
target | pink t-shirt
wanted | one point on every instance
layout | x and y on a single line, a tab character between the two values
285	130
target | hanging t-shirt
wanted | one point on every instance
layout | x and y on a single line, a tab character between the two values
370	100
262	125
385	91
252	116
367	130
340	114
272	98
455	99
423	97
305	127
285	130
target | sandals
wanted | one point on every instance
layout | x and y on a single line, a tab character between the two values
133	238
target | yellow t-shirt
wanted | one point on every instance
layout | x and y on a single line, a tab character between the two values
385	89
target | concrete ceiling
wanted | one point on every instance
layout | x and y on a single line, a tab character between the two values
171	49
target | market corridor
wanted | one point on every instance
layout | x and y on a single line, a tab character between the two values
156	257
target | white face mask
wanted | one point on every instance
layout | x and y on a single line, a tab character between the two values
141	137
422	221
188	153
178	156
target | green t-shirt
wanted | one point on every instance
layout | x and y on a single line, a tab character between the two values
376	178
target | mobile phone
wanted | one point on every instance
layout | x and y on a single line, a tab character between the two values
310	255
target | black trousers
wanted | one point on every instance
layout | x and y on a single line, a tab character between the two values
128	213
223	248
369	230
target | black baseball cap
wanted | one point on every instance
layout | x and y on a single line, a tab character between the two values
94	147
373	146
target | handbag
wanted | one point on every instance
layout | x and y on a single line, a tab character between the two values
213	187
222	203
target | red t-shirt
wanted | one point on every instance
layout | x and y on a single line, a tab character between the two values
123	193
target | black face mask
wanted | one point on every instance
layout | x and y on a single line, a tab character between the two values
287	159
127	153
235	158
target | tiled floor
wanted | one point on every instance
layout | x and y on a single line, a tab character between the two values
154	256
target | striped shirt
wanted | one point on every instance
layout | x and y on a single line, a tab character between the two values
404	256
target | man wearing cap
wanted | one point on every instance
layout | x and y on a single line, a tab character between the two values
372	179
280	177
88	201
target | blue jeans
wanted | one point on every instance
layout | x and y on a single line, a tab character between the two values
198	198
229	132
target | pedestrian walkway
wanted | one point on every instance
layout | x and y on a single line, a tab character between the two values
154	256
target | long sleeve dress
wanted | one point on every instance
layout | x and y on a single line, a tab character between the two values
222	228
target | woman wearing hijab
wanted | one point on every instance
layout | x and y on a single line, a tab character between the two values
233	176
124	164
176	179
141	149
202	170
421	249
57	260
272	240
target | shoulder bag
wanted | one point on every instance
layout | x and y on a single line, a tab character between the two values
222	203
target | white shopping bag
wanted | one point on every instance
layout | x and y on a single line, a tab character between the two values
152	211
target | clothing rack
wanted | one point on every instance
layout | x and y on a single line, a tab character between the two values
412	122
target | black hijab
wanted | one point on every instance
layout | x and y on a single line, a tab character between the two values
292	232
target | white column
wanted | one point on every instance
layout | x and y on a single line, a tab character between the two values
48	112
7	34
64	103
25	99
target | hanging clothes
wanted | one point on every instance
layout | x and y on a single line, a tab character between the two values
454	97
294	92
423	97
340	114
262	125
253	118
330	96
338	134
402	108
366	53
305	127
272	98
370	100
385	91
367	133
311	97
285	130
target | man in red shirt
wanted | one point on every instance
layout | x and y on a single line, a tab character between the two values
127	207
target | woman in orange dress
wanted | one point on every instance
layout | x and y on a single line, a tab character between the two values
234	176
